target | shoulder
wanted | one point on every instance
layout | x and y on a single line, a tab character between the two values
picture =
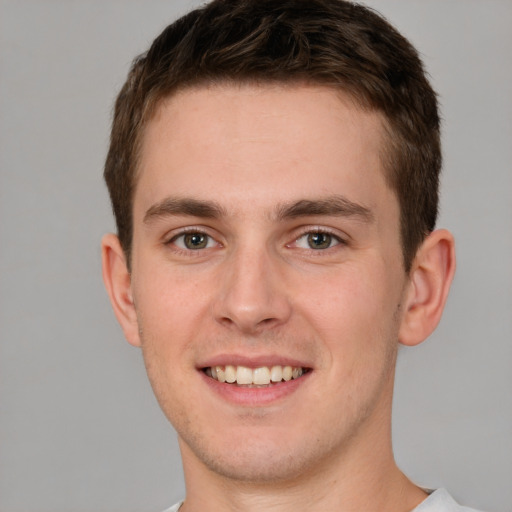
174	508
441	501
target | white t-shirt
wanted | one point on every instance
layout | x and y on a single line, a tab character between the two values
438	501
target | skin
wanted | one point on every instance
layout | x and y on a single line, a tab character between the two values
259	172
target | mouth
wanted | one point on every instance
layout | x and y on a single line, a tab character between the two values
261	377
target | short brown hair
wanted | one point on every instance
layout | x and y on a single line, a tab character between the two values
328	42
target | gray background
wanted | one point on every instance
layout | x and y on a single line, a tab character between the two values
79	427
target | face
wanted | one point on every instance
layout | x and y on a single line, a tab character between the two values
266	242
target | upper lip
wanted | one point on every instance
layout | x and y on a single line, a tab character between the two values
252	361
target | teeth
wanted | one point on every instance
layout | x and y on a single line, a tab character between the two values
276	374
245	376
220	374
261	376
230	372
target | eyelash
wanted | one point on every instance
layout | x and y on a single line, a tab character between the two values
189	231
321	231
292	245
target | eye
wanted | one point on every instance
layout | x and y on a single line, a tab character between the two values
193	241
317	240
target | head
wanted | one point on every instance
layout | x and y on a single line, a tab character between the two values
273	171
337	44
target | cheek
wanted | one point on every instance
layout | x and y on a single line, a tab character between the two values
169	302
355	311
167	312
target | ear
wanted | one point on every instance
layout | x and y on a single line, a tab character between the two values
117	281
430	279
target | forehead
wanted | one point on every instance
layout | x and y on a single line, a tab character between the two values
273	142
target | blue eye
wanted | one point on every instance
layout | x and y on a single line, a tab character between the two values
317	240
193	241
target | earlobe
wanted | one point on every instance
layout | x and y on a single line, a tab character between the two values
117	281
430	279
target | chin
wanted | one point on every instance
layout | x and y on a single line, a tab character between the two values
254	463
256	456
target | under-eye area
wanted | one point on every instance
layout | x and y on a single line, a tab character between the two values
253	377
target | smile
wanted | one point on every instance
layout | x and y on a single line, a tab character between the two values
262	376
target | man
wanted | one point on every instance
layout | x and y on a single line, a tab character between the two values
273	171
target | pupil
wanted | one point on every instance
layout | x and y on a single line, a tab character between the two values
319	240
195	241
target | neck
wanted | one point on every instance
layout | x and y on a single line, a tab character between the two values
364	476
389	492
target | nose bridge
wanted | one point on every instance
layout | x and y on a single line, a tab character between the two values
252	295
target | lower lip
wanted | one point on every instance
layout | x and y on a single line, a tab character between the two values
257	396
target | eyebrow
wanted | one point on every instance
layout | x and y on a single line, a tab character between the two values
338	206
184	206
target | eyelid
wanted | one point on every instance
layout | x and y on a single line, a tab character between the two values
341	238
305	230
170	237
173	235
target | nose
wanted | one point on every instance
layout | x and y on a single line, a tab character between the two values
252	295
